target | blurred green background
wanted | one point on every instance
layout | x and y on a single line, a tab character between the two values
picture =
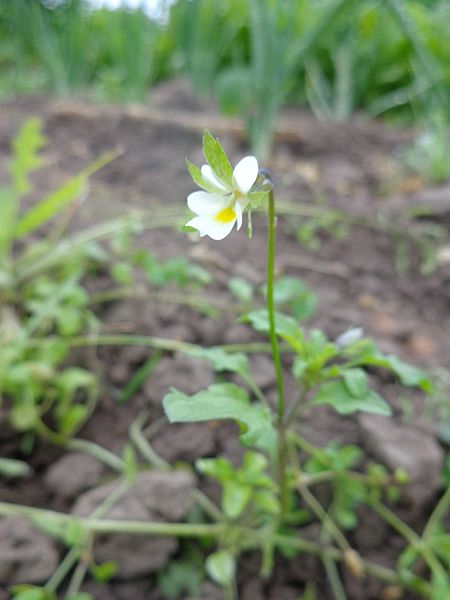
376	58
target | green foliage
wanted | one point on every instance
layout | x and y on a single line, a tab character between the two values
224	401
104	571
249	486
182	576
291	294
177	271
286	327
338	56
221	567
43	307
31	592
241	289
345	401
347	492
216	158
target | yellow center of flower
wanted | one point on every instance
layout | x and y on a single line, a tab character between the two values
225	215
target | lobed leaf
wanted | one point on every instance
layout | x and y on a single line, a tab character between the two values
224	401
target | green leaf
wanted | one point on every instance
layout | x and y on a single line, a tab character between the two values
26	147
408	374
71	419
8	212
286	327
220	468
10	467
296	296
364	352
181	578
24	414
440	543
266	501
223	361
28	592
217	159
235	498
241	289
198	178
355	381
336	394
49	206
224	401
122	272
221	567
104	571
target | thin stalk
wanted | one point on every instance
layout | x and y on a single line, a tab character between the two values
438	513
410	536
117	526
120	339
327	522
145	448
252	539
211	307
282	475
77	579
62	570
101	454
254	388
333	577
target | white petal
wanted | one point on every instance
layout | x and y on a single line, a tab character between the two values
218	231
204	203
238	211
209	176
209	226
199	224
245	173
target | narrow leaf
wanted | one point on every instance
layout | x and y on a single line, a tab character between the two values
217	159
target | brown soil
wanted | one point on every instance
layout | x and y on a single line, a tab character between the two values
349	167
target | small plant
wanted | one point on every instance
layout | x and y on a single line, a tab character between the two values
267	499
327	372
43	307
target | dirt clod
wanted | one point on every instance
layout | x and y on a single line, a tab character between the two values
401	446
26	555
72	474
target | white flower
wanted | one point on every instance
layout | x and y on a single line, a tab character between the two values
218	212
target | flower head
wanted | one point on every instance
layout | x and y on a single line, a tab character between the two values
219	208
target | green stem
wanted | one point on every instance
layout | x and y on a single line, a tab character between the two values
98	452
62	570
252	539
410	536
438	513
77	579
327	522
282	475
208	307
333	577
120	339
145	448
